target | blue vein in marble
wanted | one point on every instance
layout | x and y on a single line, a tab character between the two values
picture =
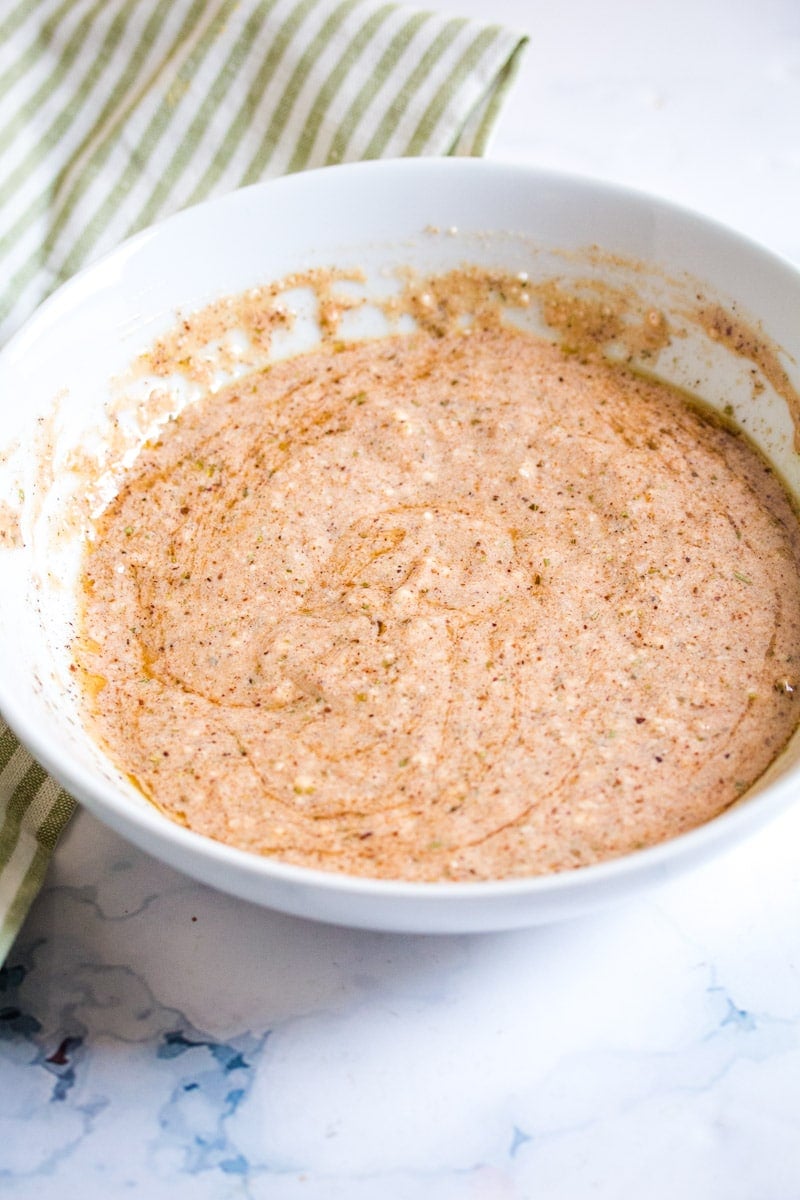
87	896
15	1023
177	1043
200	1105
519	1138
739	1017
215	1076
61	1058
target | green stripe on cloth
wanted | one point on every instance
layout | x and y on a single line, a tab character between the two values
69	54
145	150
423	68
35	813
335	80
17	17
63	119
372	85
246	117
31	55
281	117
114	113
32	223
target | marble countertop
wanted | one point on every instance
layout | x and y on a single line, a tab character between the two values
160	1039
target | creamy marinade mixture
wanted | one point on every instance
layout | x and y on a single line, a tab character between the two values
452	604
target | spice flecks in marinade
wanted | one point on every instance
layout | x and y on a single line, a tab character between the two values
445	606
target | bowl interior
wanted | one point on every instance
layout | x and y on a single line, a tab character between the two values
71	362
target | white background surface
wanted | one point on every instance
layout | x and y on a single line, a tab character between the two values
162	1040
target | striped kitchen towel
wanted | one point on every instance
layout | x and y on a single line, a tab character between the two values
114	113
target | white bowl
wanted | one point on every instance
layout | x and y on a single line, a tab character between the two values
430	214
